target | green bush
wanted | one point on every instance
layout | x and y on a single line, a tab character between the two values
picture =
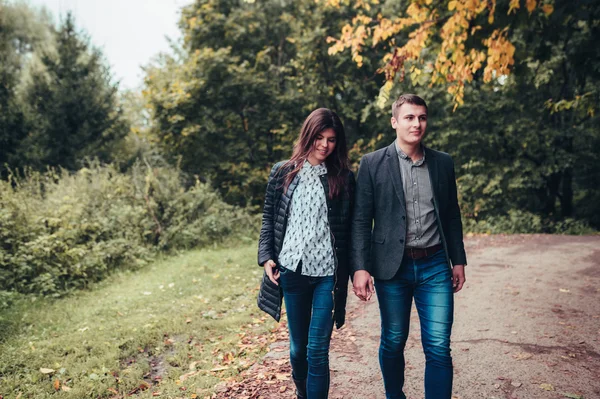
61	231
522	222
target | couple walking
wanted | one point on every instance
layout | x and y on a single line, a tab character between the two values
398	224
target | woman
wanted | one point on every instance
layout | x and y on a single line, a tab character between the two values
304	243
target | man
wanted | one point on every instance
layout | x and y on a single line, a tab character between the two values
406	233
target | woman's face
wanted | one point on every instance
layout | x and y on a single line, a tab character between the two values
323	146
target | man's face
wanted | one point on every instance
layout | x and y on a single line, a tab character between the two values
410	124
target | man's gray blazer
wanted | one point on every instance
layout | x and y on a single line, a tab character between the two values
379	221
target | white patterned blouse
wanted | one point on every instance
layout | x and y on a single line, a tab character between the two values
307	236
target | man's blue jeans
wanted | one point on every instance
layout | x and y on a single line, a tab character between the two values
429	282
309	306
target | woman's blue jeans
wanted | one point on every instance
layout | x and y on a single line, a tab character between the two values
429	282
309	306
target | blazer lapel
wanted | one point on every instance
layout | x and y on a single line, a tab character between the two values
393	165
433	167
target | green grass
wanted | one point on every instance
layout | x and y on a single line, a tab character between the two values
183	314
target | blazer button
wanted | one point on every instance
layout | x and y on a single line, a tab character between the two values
401	241
403	217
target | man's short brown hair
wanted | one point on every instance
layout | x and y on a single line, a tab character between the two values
408	99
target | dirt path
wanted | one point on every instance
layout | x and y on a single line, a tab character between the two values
527	325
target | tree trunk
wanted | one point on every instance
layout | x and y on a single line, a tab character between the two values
566	200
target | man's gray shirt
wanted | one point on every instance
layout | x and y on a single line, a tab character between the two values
422	229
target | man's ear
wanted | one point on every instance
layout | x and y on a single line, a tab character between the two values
393	121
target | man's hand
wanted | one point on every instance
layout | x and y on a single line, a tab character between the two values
363	285
271	270
458	277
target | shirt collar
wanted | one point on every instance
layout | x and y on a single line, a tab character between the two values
319	169
403	155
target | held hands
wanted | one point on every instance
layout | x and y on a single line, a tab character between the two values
363	285
271	270
458	277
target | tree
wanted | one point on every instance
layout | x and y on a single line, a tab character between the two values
449	43
72	105
530	141
248	76
21	31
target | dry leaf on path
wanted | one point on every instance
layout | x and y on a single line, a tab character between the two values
547	387
522	355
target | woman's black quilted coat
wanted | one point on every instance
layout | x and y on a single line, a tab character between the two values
274	223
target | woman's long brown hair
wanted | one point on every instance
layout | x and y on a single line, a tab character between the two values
337	162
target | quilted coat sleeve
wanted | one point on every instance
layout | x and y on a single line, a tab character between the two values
265	242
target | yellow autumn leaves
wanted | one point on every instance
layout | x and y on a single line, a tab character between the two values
454	64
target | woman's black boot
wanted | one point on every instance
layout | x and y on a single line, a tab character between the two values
300	388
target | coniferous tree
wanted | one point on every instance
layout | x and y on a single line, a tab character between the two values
73	107
21	31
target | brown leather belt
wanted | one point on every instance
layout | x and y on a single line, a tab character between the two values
420	253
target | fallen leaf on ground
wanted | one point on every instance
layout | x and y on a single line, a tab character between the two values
187	375
572	395
46	371
522	355
547	387
564	290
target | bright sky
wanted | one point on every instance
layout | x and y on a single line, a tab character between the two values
129	32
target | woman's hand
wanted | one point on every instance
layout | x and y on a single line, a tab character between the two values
271	270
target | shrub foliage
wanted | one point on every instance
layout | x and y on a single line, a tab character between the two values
61	231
